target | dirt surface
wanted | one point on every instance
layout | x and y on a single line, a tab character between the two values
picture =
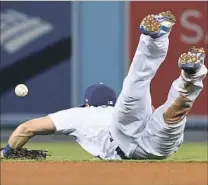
94	173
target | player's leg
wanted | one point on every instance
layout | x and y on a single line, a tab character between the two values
168	121
186	89
134	107
27	130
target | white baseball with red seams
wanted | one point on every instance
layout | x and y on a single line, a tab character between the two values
21	90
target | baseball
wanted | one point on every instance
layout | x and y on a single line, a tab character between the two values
21	90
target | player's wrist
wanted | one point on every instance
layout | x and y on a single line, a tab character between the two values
7	150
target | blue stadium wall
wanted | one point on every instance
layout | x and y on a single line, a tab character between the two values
96	53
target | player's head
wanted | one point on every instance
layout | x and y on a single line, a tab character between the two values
99	95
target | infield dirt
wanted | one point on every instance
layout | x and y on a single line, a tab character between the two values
101	173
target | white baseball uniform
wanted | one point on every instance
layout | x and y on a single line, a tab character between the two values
139	132
90	126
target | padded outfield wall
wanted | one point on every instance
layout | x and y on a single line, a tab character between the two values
191	29
93	42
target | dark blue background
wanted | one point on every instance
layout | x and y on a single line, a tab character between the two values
50	90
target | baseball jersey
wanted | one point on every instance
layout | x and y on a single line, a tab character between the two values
90	127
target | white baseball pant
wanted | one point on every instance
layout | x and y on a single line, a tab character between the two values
138	132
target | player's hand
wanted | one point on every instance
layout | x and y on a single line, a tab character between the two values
24	153
2	155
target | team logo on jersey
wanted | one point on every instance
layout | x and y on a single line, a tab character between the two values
110	102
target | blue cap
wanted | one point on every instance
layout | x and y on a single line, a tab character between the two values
100	94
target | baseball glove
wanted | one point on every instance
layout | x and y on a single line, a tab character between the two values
24	153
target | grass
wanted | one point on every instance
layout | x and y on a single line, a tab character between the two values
69	151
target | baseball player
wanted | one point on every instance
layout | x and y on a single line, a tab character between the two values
131	129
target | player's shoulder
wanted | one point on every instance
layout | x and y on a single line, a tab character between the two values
91	114
92	110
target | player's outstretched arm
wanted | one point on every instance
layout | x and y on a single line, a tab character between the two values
27	130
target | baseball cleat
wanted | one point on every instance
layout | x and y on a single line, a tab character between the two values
191	61
157	25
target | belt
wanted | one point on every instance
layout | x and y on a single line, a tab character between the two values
119	151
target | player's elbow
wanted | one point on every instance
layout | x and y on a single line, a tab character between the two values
25	130
38	126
